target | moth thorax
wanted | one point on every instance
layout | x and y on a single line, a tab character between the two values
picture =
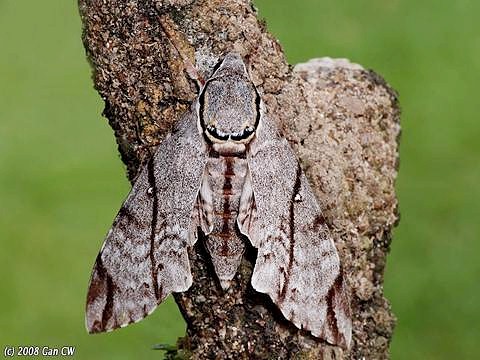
228	109
229	148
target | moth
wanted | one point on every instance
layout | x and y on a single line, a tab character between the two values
225	171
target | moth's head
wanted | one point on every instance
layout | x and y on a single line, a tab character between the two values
229	104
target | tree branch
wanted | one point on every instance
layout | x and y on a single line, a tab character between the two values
342	121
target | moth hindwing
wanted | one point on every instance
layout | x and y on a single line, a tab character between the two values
224	169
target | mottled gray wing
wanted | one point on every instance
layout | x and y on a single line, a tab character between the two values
297	263
144	257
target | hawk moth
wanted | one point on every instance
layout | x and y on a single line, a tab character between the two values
225	171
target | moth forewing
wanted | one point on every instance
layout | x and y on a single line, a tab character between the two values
144	257
297	263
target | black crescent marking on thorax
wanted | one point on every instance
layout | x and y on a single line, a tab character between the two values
257	107
296	189
201	101
153	185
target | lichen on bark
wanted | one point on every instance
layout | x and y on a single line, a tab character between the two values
341	120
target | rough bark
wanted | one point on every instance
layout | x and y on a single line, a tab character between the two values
342	121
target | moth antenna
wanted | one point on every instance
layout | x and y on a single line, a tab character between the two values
194	74
188	65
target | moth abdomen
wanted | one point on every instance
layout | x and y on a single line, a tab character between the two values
225	179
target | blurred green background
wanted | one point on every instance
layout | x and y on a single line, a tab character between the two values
62	182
